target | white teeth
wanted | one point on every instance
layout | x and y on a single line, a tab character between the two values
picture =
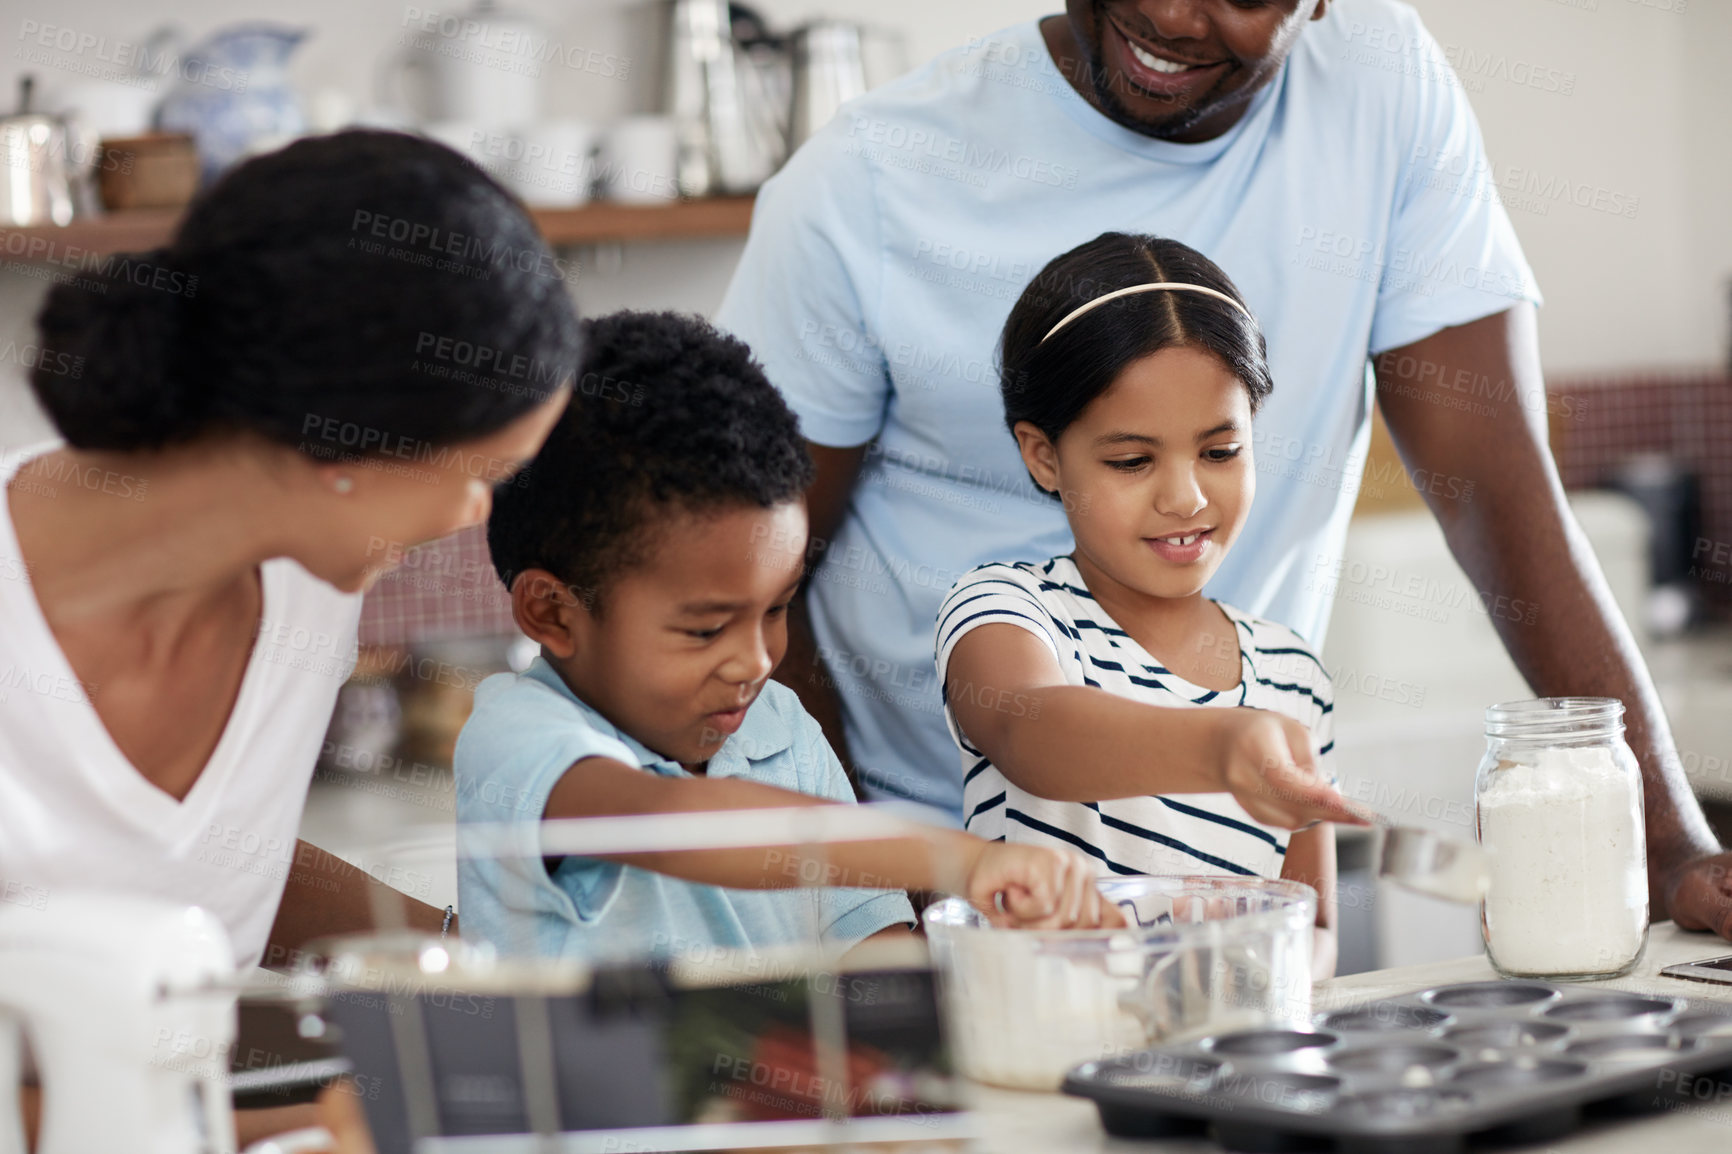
1149	60
1181	541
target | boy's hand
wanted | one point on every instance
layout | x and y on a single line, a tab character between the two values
1267	765
1042	889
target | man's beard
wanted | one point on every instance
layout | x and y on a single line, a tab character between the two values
1166	128
1094	53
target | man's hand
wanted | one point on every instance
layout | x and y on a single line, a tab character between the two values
1699	894
1265	762
1520	545
1042	889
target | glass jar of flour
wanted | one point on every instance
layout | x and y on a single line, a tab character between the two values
1559	798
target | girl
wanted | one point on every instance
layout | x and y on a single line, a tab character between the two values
1101	701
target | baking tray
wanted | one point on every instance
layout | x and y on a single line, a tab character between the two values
1423	1073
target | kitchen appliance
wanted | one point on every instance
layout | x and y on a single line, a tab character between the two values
829	69
722	93
128	1006
232	94
478	66
34	151
499	1048
1200	954
1670	495
1499	1061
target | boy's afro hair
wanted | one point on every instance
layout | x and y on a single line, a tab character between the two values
667	414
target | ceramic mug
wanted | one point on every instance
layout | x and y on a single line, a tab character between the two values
550	164
639	160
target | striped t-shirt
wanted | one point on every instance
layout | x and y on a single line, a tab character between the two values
1193	833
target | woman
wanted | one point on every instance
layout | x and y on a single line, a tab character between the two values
347	344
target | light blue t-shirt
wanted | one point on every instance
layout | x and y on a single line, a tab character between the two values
1352	205
529	728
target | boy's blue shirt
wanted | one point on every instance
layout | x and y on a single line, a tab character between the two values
527	729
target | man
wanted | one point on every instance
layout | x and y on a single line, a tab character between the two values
1324	154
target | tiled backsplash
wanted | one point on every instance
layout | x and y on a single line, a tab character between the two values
1686	417
443	589
448	588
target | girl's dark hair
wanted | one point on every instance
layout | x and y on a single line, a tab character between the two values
350	293
1049	383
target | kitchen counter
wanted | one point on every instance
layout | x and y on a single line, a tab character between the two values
1011	1122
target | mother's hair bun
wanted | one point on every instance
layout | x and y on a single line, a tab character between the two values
107	373
332	284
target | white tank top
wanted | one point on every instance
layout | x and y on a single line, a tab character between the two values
75	814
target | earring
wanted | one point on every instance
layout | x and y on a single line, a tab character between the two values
344	485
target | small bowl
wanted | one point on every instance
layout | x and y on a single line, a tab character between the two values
1202	955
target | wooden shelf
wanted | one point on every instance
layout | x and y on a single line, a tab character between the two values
682	219
132	231
597	222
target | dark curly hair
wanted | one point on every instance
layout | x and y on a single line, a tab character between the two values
369	285
668	414
1048	383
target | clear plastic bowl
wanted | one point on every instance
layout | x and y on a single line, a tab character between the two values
1201	955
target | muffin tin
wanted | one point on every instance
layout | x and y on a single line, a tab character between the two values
1507	1061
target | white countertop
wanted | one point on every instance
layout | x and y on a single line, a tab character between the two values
1013	1122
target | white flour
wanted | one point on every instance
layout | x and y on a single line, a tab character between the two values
1569	874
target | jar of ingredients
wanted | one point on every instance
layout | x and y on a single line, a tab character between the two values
1559	799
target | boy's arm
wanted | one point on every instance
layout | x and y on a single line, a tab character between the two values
1038	887
1078	743
602	787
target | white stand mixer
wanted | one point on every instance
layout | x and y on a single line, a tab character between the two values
129	1007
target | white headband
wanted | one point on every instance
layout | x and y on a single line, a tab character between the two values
1172	286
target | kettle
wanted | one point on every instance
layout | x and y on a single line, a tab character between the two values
480	68
34	151
724	93
829	70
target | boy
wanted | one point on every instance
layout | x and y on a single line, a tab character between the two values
651	550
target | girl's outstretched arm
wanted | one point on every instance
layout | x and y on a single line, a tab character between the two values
1078	743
